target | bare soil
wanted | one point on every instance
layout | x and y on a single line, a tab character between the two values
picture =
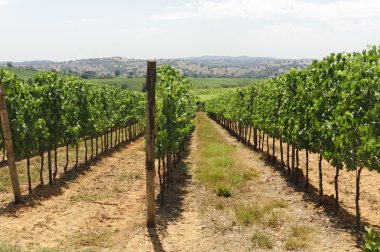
369	188
329	233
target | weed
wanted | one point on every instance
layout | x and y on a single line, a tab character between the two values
253	214
219	205
273	221
217	167
97	239
301	237
262	240
275	204
90	197
6	246
224	191
371	240
117	189
130	176
248	175
46	250
248	214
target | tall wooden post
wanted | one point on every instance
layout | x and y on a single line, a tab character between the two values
9	145
150	135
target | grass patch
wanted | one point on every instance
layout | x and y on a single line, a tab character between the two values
262	240
88	196
46	250
275	204
117	189
274	220
224	191
301	237
130	176
259	214
5	181
248	214
93	239
6	246
217	167
225	222
248	175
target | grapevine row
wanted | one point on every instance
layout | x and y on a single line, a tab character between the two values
332	108
175	111
61	111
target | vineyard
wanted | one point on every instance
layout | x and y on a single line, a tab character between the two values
332	109
65	111
329	113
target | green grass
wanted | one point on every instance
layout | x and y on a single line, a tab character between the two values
301	237
224	191
248	214
6	246
208	88
210	93
135	83
217	167
275	204
22	73
259	213
205	83
262	240
47	250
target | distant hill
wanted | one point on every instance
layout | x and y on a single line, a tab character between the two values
207	66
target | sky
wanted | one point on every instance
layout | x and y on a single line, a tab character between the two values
62	30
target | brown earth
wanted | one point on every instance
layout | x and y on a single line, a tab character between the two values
369	187
102	209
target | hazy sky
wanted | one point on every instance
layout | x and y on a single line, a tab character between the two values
72	29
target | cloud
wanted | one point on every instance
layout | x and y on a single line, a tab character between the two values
2	2
84	20
349	10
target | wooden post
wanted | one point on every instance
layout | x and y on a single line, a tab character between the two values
150	135
9	145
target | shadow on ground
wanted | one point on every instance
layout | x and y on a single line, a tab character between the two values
342	220
46	191
173	207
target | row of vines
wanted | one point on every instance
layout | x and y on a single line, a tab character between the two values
175	111
64	111
332	108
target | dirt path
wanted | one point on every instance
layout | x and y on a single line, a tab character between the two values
330	235
369	187
98	209
103	210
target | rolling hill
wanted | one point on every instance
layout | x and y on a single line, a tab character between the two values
207	66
